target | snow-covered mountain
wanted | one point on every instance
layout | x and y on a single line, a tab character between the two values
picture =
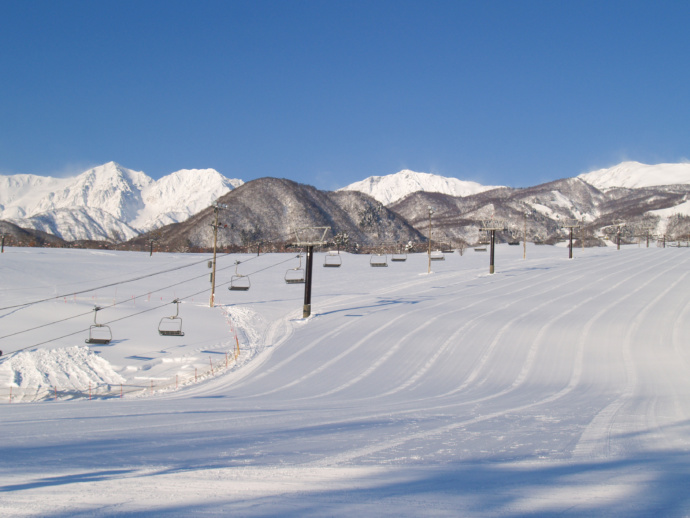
634	175
393	187
108	201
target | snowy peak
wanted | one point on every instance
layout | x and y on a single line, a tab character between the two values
393	187
175	197
109	187
108	201
633	175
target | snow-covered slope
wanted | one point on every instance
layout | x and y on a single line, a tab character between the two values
554	387
175	197
108	201
81	223
633	175
393	187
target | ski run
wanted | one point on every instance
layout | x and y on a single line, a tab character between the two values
552	387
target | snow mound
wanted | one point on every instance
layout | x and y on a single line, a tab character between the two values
72	368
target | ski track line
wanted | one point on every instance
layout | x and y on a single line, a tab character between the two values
263	357
461	277
336	331
654	409
391	443
455	404
337	358
593	442
447	343
241	371
482	362
370	335
521	377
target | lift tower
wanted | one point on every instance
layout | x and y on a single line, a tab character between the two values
308	238
491	226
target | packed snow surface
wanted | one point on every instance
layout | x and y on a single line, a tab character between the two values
633	175
393	187
553	387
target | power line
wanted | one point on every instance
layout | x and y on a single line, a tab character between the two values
106	285
110	305
129	299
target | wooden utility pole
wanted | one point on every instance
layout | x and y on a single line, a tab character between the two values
582	233
216	209
524	236
570	225
431	211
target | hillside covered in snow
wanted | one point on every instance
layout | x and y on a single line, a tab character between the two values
108	201
393	187
634	175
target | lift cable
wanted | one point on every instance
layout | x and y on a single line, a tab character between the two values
110	305
107	285
133	314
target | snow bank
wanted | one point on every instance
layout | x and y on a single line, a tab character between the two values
73	368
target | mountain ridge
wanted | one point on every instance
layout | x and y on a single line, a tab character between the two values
393	187
130	202
110	202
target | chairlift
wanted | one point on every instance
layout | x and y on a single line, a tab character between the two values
99	334
378	260
239	282
481	245
437	255
295	275
171	326
399	257
332	260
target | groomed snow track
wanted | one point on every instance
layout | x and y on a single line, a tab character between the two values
552	387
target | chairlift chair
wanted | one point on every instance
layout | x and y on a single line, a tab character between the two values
239	282
295	275
399	257
437	255
481	245
99	334
171	326
332	260
378	260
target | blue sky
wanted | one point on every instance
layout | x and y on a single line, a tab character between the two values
331	92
